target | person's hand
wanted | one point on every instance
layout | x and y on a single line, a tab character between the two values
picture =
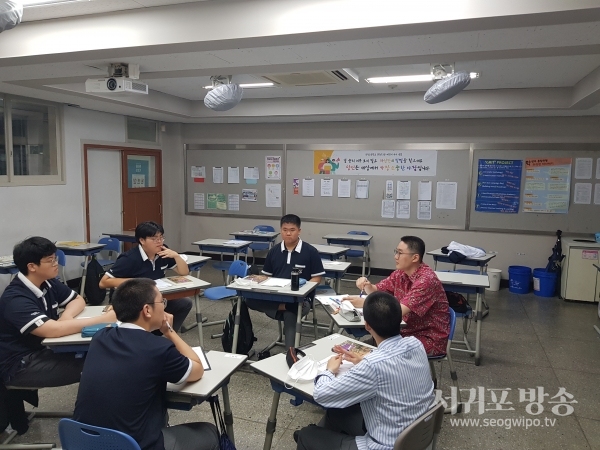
334	363
167	253
167	324
362	283
356	300
352	357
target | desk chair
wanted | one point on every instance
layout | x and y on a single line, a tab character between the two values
113	246
422	433
364	254
448	357
224	266
261	246
62	262
77	436
237	268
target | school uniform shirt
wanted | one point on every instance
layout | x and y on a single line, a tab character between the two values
280	262
423	293
392	384
123	383
136	264
23	308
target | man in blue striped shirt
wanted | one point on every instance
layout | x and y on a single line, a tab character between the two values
389	388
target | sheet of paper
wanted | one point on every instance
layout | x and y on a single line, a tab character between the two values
583	168
233	202
273	167
276	282
344	367
308	187
249	195
598	169
445	195
235	242
389	190
388	208
403	209
362	189
273	195
403	190
251	173
198	200
202	356
162	284
326	187
233	175
198	173
424	210
424	190
217	175
597	194
221	202
344	188
583	194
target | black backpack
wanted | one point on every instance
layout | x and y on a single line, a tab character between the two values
458	302
93	294
246	337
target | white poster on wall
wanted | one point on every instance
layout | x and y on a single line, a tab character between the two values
388	208
198	200
403	209
424	210
344	187
445	195
273	195
583	168
403	190
326	187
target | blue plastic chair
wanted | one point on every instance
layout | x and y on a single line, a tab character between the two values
237	268
112	245
77	436
62	262
355	253
447	357
224	266
261	246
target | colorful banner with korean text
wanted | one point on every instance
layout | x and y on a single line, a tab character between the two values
422	163
547	185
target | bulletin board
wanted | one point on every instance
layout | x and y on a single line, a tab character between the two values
580	218
452	165
268	162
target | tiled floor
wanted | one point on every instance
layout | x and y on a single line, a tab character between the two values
527	341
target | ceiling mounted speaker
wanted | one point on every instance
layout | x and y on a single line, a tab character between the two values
224	97
447	87
11	13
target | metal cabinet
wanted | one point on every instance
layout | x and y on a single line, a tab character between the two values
580	278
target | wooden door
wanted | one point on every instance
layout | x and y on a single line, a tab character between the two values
141	187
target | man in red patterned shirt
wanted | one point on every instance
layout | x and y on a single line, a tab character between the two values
420	293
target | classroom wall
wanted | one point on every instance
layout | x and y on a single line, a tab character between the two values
513	249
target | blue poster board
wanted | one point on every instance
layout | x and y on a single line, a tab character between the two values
498	185
138	173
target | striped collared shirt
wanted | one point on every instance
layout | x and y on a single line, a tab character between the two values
393	385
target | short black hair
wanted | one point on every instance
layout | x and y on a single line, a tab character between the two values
292	219
131	296
383	313
32	250
148	229
415	245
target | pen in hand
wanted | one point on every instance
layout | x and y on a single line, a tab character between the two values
169	327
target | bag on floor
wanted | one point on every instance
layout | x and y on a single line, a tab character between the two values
224	441
246	337
458	302
93	294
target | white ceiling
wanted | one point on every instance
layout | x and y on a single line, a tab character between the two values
535	58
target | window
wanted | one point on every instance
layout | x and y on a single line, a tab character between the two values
30	150
141	130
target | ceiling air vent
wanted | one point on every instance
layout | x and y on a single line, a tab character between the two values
321	77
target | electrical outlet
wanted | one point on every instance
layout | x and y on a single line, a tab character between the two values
520	254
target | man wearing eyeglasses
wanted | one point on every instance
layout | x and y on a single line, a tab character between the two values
123	383
420	293
28	315
150	259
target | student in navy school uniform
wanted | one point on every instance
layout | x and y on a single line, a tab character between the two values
123	384
292	253
150	259
28	314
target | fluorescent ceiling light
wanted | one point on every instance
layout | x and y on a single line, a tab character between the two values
33	3
250	85
408	78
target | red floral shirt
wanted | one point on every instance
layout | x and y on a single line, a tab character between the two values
424	295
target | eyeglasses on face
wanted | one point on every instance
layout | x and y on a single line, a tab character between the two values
164	302
400	252
53	261
156	238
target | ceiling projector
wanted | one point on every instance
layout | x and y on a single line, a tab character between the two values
115	85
